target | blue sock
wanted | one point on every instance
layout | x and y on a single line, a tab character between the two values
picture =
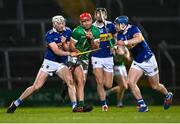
73	104
141	102
103	102
18	102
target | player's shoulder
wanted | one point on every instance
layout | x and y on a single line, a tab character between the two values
78	29
94	27
133	27
109	22
50	33
68	29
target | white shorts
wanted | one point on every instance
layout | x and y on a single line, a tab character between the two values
105	63
83	63
51	67
120	70
149	67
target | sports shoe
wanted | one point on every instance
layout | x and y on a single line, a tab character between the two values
168	100
87	108
120	105
11	108
78	109
143	108
83	109
104	108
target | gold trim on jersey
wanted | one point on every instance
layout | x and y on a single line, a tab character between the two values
133	45
58	44
106	37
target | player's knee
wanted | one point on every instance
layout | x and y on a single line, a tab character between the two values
108	85
125	87
69	80
80	83
99	81
130	83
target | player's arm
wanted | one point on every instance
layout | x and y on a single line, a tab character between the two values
53	46
137	38
64	43
72	46
93	41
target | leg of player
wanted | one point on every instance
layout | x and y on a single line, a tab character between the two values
38	83
98	72
112	90
108	79
79	78
66	75
133	77
122	84
154	82
64	91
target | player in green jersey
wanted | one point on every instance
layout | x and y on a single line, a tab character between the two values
84	37
120	74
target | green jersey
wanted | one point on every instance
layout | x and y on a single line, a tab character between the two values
82	43
119	60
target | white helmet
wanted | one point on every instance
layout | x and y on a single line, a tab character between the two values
58	18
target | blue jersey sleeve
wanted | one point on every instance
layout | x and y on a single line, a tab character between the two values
68	34
49	37
111	27
120	37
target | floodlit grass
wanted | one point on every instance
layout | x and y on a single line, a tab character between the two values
114	115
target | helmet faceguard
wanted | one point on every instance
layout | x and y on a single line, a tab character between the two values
102	13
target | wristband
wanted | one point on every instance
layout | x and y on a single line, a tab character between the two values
126	42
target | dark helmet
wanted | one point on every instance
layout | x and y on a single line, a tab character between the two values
121	20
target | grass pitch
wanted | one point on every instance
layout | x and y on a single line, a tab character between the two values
127	114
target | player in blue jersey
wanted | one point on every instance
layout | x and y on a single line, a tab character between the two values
53	63
143	61
102	60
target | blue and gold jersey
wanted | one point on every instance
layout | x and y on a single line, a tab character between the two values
141	51
106	35
54	36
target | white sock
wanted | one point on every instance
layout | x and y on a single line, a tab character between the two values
18	102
